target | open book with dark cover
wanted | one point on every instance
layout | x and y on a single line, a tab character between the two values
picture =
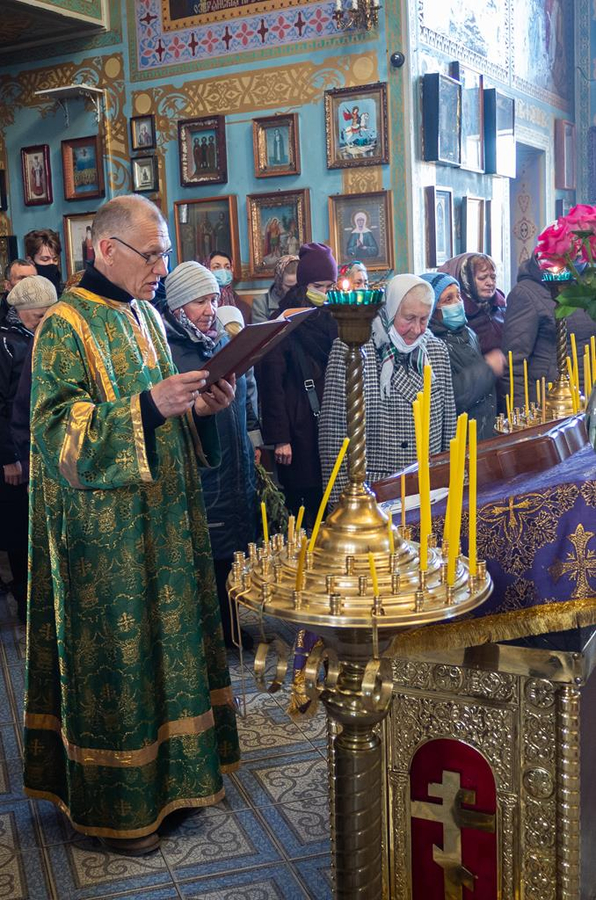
251	344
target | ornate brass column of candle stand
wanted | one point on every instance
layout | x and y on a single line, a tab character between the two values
559	400
335	599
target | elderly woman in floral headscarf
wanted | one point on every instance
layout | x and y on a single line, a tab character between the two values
394	360
484	303
284	278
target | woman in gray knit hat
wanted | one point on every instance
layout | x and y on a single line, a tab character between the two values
195	335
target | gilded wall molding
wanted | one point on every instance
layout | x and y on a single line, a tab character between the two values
107	72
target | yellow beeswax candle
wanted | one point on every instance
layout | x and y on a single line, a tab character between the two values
593	355
587	374
472	496
526	392
456	507
538	393
423	485
508	404
574	360
452	471
390	534
327	494
373	574
265	525
301	562
511	379
544	399
403	501
572	384
291	528
299	522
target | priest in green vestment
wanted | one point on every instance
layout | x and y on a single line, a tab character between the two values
129	711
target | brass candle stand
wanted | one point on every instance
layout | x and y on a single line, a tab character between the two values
333	596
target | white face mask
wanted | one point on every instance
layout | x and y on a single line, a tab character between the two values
399	343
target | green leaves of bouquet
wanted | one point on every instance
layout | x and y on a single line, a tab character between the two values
566	252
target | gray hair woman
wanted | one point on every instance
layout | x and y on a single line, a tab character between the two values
394	361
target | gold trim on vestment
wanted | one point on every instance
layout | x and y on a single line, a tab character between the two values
89	756
196	802
139	438
93	353
70	453
222	697
139	325
518	623
196	439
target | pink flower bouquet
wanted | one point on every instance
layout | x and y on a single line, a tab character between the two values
569	247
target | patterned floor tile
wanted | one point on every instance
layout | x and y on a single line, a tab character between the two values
13	642
159	893
215	842
18	820
54	826
16	674
11	781
7	713
83	870
315	874
302	828
10	747
284	779
21	873
267	883
266	729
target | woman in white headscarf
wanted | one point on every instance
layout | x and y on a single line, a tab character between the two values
394	362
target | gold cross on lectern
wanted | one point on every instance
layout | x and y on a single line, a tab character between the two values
453	818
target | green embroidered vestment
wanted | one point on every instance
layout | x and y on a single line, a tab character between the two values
129	710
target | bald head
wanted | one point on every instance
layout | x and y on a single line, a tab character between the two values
131	242
122	215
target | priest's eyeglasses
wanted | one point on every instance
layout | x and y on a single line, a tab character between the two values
150	258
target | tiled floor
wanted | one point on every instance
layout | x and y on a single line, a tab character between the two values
268	839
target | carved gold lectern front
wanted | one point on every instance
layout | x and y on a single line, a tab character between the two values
484	758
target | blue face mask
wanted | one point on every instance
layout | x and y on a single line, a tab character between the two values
223	276
454	315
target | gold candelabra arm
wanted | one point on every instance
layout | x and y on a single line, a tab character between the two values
356	416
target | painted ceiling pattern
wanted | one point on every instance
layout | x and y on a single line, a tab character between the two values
212	37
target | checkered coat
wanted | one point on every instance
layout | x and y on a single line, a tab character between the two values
390	437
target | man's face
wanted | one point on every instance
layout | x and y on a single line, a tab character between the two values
31	317
129	271
17	273
45	256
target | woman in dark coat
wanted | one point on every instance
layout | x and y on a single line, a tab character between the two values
484	303
194	336
474	376
291	381
530	330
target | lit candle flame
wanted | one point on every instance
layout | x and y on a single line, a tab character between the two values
345	285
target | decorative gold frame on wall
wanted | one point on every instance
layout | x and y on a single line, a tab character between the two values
254	205
383	198
232	209
259	140
376	92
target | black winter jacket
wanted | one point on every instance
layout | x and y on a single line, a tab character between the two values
474	382
229	491
530	332
15	343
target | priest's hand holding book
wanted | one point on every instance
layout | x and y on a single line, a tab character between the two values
175	395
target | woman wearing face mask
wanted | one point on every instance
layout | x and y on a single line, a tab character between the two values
220	263
284	278
291	380
474	376
43	249
484	303
394	360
